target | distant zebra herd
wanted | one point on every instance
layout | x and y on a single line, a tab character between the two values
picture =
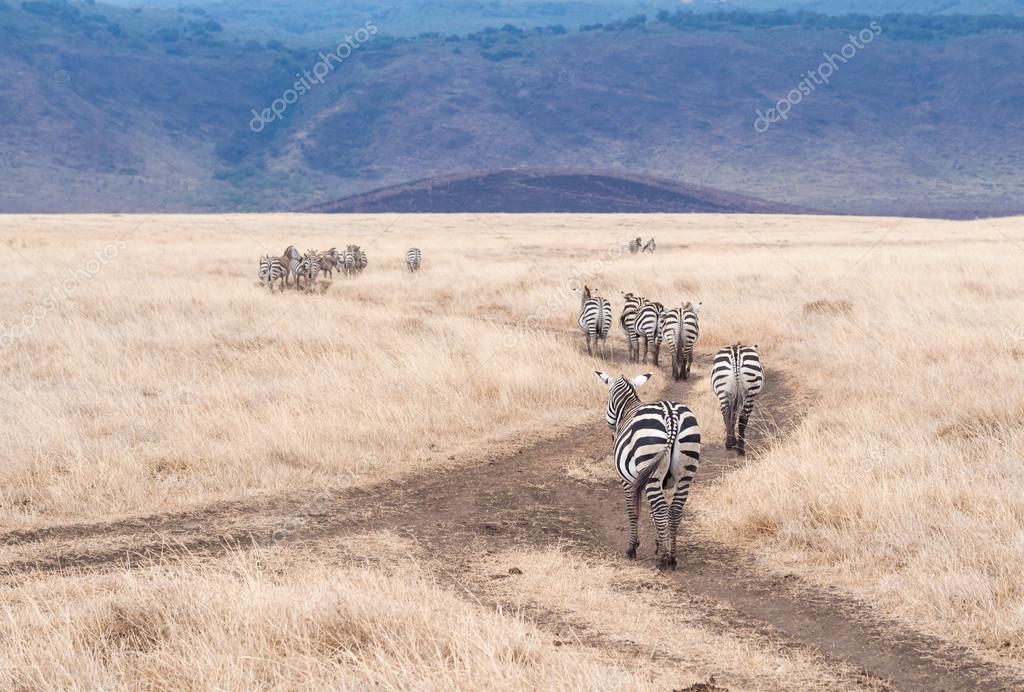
301	270
637	245
656	446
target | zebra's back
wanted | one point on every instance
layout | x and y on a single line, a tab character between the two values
413	257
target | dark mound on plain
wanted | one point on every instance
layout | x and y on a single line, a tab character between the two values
518	191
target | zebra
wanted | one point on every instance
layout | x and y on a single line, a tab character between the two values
681	330
634	246
648	327
595	319
355	259
656	447
413	257
271	270
737	378
309	267
650	246
347	263
329	261
291	259
627	320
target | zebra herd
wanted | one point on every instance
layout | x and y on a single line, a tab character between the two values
637	245
299	270
656	446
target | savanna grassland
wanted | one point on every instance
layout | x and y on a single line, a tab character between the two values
322	481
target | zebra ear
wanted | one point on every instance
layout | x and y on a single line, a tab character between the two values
697	306
640	379
603	377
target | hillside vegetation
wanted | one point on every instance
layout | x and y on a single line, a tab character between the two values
113	109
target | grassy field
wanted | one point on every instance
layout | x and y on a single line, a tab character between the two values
145	371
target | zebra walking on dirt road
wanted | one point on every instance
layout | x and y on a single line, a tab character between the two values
656	448
595	319
627	320
681	330
737	378
648	328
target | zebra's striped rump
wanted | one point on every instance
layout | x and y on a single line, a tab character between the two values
681	329
413	258
648	328
656	449
595	320
307	269
737	378
272	269
627	320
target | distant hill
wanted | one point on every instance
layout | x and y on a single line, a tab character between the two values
108	109
548	191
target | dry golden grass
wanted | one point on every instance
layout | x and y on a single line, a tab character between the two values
170	379
259	621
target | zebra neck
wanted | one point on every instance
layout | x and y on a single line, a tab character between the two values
627	410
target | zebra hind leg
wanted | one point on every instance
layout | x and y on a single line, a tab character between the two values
632	512
660	516
741	443
729	415
682	492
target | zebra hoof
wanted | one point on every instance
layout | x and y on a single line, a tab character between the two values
742	452
631	552
665	563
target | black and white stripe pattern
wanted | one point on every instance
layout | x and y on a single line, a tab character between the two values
681	330
634	246
737	378
309	267
272	269
627	320
648	328
656	448
355	259
650	246
595	319
413	259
